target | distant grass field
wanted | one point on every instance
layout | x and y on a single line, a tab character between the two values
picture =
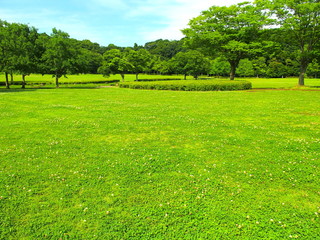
89	78
115	163
84	78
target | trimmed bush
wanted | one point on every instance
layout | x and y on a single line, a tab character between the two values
190	85
151	80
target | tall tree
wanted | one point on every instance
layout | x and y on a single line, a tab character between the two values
60	56
29	54
191	63
5	50
115	62
300	21
232	32
17	53
140	61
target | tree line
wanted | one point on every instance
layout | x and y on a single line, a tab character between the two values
273	38
282	32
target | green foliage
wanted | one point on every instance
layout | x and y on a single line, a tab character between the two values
191	63
166	49
220	67
300	23
196	85
231	31
18	49
89	61
259	66
115	62
245	68
60	56
314	69
121	62
139	60
276	69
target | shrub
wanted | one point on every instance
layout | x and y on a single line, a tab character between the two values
151	80
190	85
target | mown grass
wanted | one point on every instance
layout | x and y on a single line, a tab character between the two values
88	78
116	163
35	79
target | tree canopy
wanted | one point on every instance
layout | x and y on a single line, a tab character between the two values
191	63
299	21
233	32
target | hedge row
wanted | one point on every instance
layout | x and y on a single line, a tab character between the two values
190	85
152	80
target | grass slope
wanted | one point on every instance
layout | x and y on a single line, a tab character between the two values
125	164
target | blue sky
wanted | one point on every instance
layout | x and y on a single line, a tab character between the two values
121	22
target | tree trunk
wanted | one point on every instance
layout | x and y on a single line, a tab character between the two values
137	76
11	77
7	80
185	77
233	68
303	69
57	81
122	76
23	81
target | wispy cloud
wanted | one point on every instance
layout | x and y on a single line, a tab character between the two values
122	22
177	14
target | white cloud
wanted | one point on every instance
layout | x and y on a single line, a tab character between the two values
176	15
115	21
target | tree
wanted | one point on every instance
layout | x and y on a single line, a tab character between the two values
232	32
88	61
300	22
8	52
60	56
245	68
115	62
314	69
259	66
29	54
276	69
139	61
17	49
191	63
219	67
166	49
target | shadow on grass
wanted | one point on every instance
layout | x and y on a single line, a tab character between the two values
32	89
12	90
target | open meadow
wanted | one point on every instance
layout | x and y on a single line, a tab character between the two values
113	163
94	80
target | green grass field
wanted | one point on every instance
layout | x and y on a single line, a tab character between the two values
111	163
88	78
256	82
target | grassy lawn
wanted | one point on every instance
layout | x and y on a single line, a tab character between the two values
284	83
88	78
114	163
291	82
